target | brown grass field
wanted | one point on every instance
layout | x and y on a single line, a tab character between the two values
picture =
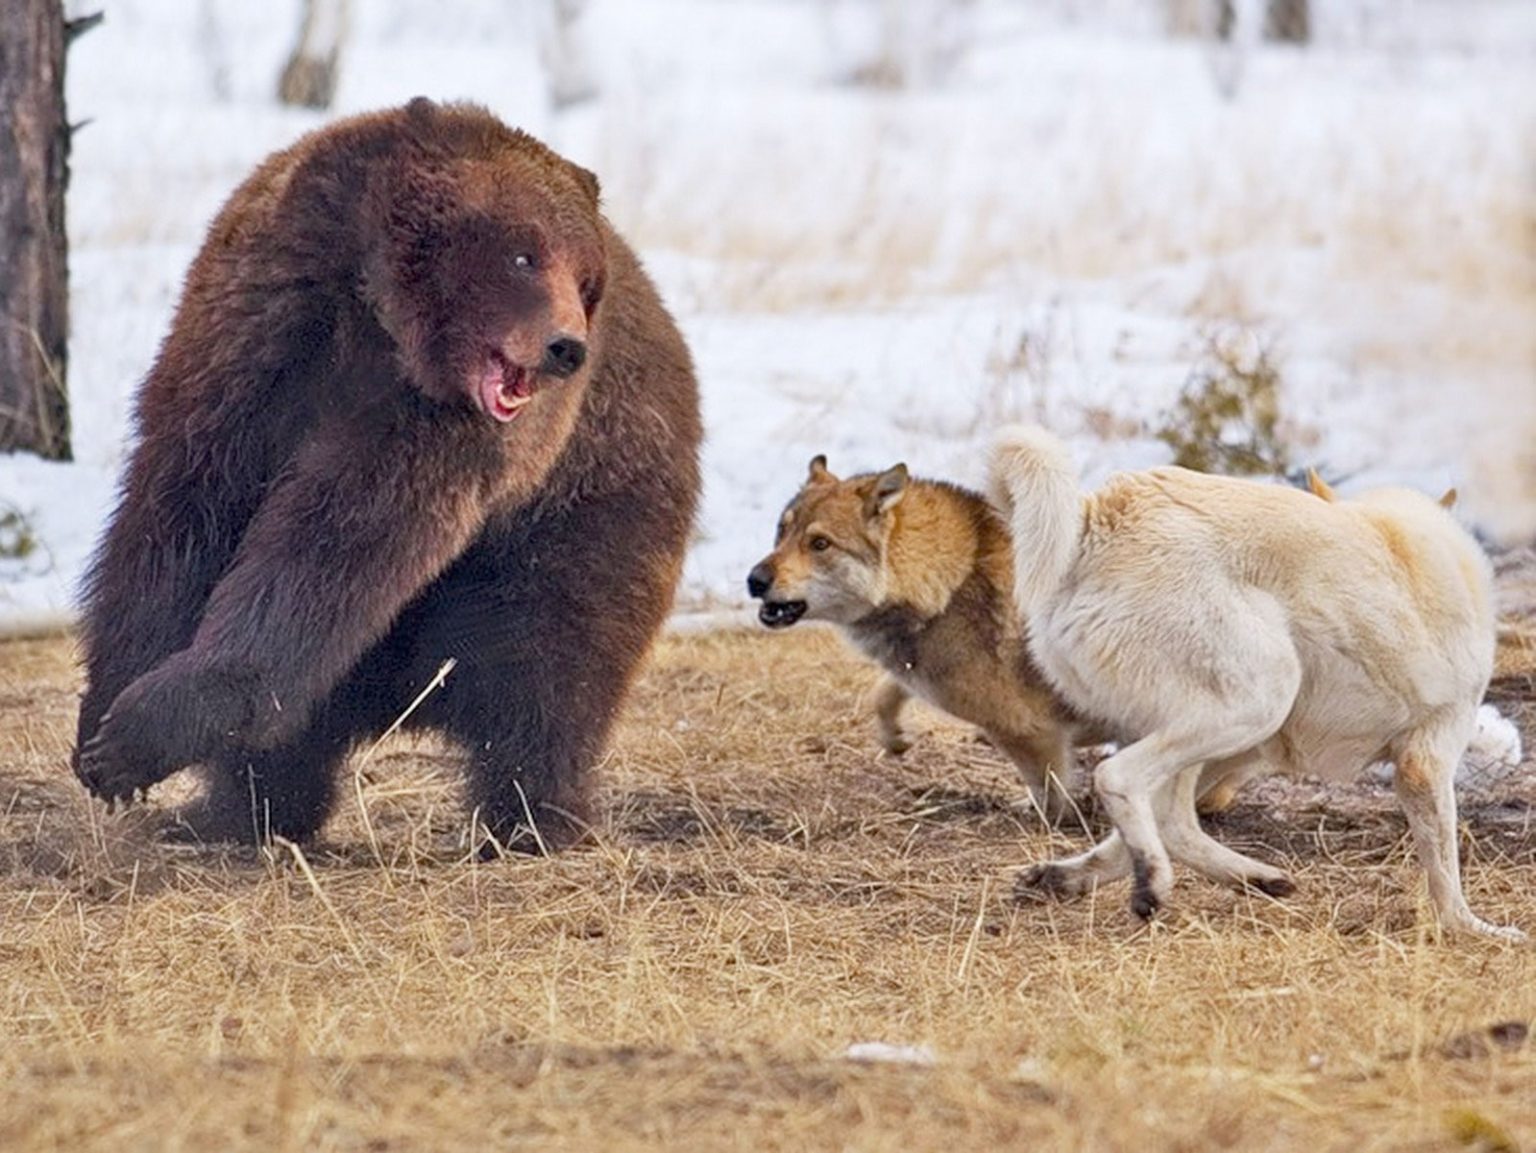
764	891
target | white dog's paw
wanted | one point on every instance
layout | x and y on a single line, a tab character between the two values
1051	880
1151	883
1497	932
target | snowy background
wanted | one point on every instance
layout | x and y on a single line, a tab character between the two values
1056	215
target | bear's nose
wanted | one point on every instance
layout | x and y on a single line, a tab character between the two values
760	580
563	356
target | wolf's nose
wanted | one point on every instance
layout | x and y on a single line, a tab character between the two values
759	580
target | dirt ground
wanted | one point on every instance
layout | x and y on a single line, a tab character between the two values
765	891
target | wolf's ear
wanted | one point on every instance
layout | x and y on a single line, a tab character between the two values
1449	499
1319	487
886	492
819	473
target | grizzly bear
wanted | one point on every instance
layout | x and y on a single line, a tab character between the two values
419	402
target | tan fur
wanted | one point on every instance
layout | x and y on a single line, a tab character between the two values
1230	628
919	575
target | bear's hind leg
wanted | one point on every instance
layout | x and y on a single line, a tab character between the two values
533	714
548	629
254	797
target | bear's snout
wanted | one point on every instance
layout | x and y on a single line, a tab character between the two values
563	356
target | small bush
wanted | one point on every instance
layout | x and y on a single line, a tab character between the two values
17	540
1227	415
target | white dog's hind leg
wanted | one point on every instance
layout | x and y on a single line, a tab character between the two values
1127	784
1173	807
1221	780
1425	785
1191	845
1136	785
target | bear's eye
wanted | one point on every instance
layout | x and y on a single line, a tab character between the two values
820	544
523	260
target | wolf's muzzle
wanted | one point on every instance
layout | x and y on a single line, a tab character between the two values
774	614
760	580
781	614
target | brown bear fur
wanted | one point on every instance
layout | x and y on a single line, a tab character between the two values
328	497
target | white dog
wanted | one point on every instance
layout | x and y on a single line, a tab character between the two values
1229	628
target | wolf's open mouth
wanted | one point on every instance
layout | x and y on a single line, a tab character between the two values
781	614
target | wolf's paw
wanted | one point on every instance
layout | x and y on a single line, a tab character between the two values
1056	808
895	743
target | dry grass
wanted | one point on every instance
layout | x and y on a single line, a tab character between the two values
766	890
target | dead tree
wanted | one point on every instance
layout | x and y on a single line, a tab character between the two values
309	77
34	250
1286	21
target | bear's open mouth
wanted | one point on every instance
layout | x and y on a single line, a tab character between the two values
503	388
781	614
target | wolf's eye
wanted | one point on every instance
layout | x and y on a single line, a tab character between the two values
820	544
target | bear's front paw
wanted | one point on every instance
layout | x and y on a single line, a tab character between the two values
143	738
125	756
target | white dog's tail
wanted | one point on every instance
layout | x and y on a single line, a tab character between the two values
1035	485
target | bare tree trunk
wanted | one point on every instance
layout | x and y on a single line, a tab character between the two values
34	270
1186	17
1289	21
560	47
309	77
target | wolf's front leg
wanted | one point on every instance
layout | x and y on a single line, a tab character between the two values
890	698
1045	762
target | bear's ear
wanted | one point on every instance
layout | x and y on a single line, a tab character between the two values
405	225
589	183
410	202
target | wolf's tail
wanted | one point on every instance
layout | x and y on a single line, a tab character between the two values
1035	484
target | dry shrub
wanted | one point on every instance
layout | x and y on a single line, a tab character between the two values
1227	417
17	539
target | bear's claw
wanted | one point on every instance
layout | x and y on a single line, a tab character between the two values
116	766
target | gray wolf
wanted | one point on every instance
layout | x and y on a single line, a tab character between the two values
919	575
